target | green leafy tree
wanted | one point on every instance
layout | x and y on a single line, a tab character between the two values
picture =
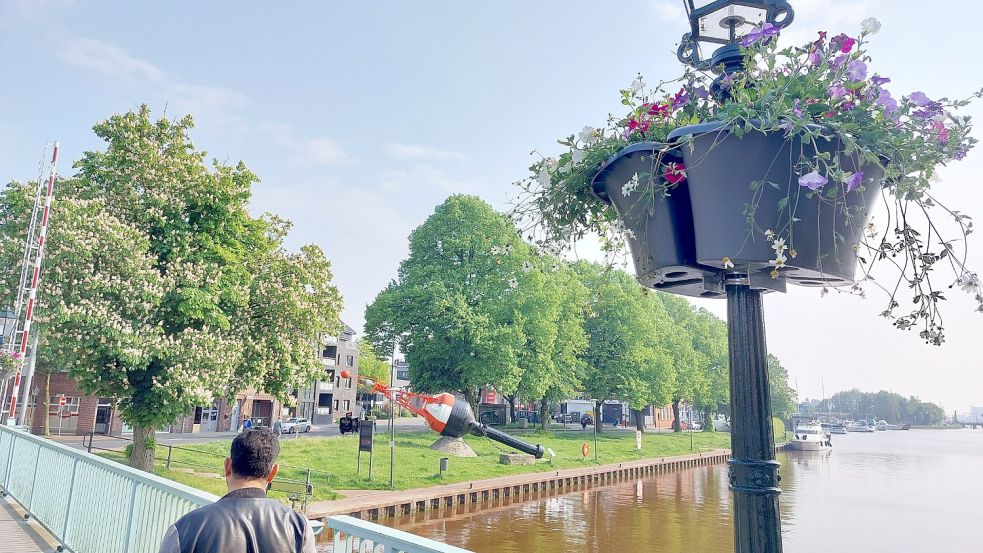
370	365
627	356
552	306
456	307
783	397
160	289
691	364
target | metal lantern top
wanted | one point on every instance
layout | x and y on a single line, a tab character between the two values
725	23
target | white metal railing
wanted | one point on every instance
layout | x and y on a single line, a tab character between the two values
352	535
88	503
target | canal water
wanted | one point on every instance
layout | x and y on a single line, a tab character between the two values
885	492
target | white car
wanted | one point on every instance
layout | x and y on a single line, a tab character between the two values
294	425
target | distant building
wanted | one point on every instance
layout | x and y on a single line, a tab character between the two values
320	401
402	374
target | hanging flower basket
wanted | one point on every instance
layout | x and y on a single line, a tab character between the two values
745	191
658	226
798	166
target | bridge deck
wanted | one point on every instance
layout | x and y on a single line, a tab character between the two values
18	535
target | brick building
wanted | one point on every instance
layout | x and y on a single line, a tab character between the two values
318	402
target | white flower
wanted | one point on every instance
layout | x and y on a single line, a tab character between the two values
526	266
630	186
779	245
588	134
770	234
577	155
637	85
513	283
495	250
870	26
544	178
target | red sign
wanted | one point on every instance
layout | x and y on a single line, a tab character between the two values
62	400
490	396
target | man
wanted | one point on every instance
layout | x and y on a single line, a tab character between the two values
244	520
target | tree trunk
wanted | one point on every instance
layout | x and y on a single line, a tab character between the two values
597	417
708	421
677	425
144	445
639	419
544	420
511	407
472	397
46	426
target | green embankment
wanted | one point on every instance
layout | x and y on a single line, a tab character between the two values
333	459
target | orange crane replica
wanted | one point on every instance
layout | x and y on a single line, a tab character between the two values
448	416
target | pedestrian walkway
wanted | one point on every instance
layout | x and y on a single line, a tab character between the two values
18	535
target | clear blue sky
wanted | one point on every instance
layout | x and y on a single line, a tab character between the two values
360	117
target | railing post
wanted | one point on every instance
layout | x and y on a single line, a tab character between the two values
131	525
10	458
34	479
70	501
89	449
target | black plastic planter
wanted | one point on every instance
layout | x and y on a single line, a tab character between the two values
721	169
661	239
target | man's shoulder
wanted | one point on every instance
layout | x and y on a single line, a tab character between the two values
235	507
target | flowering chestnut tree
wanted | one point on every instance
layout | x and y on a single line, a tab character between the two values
160	289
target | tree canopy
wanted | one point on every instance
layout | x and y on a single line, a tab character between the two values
159	288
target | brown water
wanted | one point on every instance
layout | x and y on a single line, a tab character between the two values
885	492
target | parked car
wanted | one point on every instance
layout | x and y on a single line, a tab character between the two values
531	416
294	425
687	425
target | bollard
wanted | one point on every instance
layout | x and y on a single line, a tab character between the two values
169	450
443	466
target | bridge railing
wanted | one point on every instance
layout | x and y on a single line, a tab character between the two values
90	504
352	535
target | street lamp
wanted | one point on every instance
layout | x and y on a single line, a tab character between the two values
754	477
721	24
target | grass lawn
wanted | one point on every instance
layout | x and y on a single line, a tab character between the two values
333	459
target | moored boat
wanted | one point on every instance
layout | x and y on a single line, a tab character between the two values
837	429
810	437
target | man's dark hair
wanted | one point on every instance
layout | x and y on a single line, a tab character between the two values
254	451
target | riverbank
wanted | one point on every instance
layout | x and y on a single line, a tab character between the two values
333	460
511	489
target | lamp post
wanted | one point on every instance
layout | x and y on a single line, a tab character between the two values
754	477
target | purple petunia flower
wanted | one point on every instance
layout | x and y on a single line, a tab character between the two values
813	180
854	180
856	70
960	153
838	61
930	111
680	99
847	106
701	92
919	99
836	92
727	81
842	43
884	99
795	109
767	30
877	80
814	58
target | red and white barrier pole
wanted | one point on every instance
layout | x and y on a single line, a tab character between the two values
35	280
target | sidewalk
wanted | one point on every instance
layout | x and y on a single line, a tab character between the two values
21	536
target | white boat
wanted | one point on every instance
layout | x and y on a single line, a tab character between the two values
837	429
856	427
810	437
881	425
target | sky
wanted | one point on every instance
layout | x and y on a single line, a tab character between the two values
360	117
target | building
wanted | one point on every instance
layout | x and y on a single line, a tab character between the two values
326	399
319	401
402	374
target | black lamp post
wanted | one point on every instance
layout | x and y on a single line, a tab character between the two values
754	473
722	24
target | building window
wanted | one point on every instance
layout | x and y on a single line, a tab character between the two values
336	405
350	361
324	400
349	383
329	352
402	375
348	405
71	405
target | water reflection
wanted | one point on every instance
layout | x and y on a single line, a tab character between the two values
881	492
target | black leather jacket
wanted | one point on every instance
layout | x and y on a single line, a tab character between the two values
243	521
